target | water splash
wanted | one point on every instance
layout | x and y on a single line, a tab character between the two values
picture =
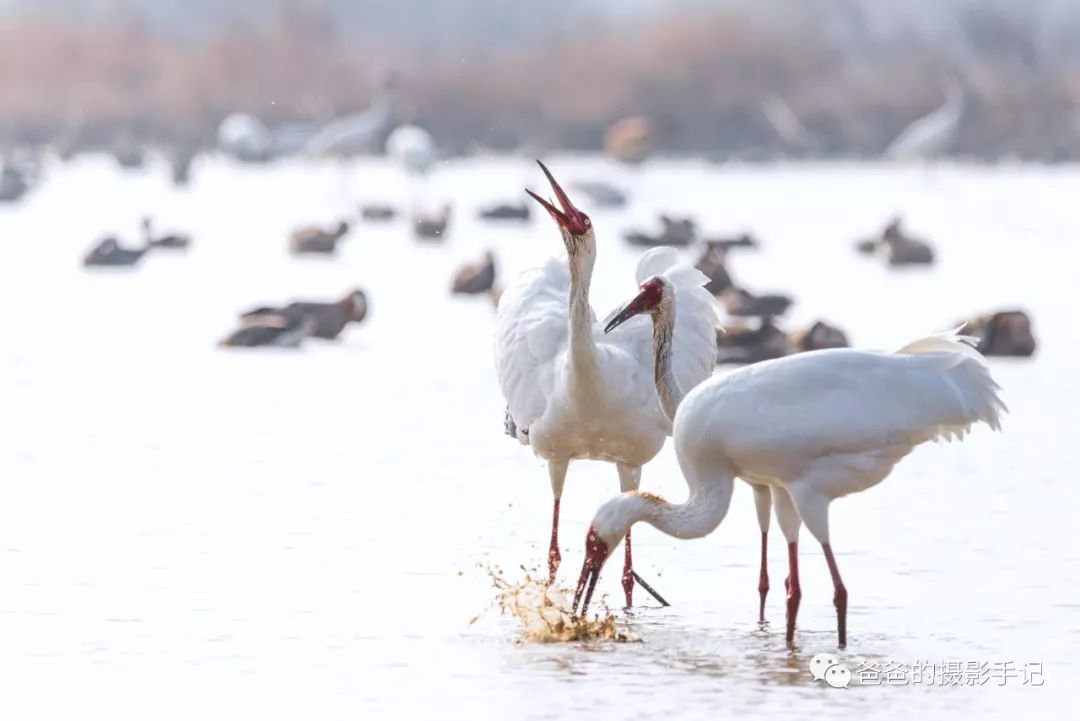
544	611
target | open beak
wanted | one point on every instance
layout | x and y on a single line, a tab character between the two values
568	213
636	306
596	552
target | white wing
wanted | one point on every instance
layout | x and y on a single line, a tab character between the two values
694	350
531	329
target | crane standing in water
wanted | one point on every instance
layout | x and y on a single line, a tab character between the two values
572	392
812	427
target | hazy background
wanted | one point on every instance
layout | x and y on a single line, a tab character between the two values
498	74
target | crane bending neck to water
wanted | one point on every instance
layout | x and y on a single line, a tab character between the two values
811	428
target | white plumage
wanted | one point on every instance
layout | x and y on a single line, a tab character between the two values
532	331
932	133
573	392
810	428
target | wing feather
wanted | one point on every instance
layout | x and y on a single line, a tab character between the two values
531	329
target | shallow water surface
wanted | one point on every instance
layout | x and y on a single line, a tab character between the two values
191	532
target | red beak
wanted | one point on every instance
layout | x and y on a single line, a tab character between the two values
639	304
568	217
596	552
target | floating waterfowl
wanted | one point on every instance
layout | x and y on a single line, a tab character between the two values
108	252
327	319
601	194
378	212
744	240
712	264
819	336
312	239
750	344
430	226
741	302
475	278
506	211
279	330
903	249
172	241
673	231
1004	333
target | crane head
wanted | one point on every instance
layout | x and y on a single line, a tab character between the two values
650	298
568	218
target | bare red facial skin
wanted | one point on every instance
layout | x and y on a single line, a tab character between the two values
652	291
568	217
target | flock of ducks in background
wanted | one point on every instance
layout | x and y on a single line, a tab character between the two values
751	331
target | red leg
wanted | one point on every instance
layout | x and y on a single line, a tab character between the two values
763	582
839	595
794	591
628	574
554	557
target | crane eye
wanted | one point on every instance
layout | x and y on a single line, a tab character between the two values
587	221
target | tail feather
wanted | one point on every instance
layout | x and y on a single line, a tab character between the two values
966	370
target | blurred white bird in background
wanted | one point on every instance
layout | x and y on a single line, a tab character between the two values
812	427
413	147
933	133
574	393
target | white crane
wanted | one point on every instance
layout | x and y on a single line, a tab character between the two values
932	133
812	427
573	392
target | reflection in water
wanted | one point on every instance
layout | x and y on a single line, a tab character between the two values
545	612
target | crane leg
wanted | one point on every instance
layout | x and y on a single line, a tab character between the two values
763	503
839	595
629	480
554	557
557	475
794	591
763	581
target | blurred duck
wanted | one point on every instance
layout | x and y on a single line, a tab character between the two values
1005	333
327	320
903	249
741	302
172	242
312	239
603	195
108	252
377	212
431	226
673	231
712	264
745	240
476	278
819	336
749	344
277	330
506	211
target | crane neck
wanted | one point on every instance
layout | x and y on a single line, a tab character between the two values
584	365
668	390
699	516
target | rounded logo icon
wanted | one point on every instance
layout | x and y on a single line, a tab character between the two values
838	676
821	663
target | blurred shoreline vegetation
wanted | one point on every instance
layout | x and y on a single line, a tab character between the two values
702	74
